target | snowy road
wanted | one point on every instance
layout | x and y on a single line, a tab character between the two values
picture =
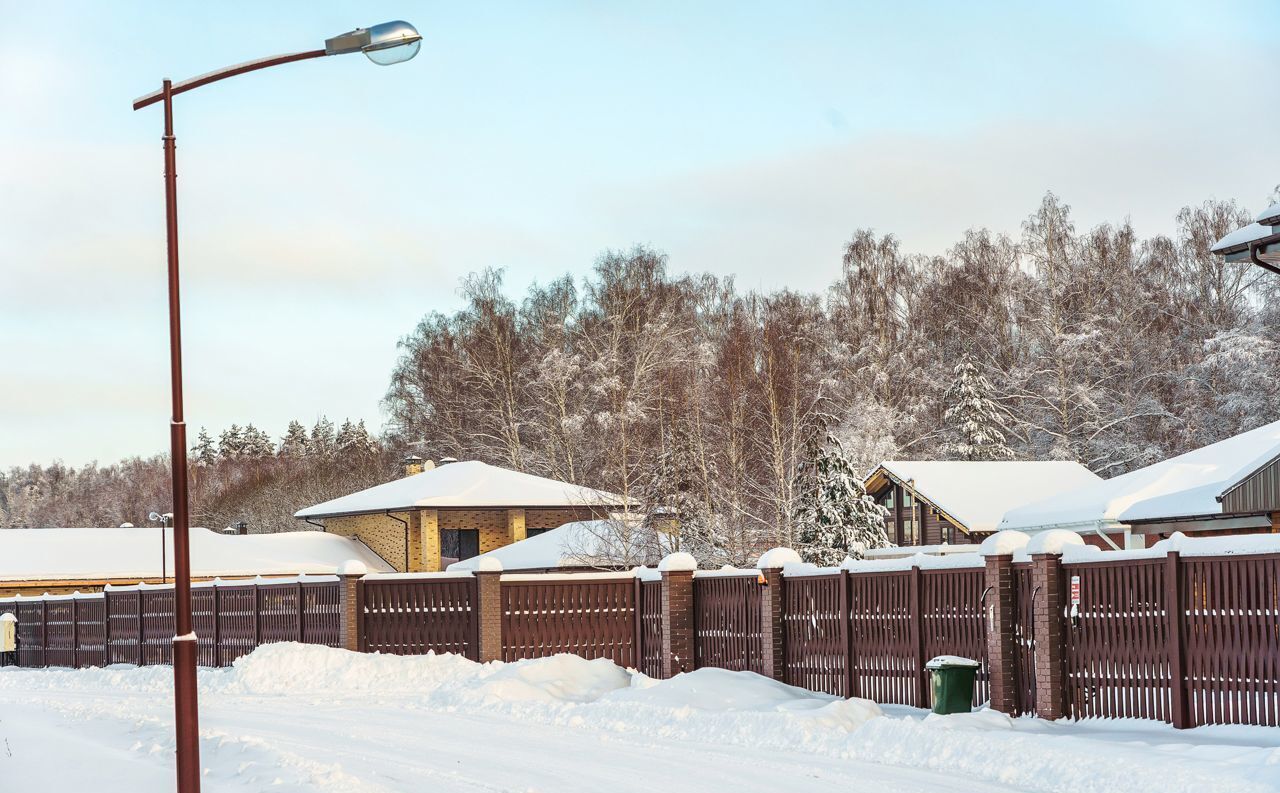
318	720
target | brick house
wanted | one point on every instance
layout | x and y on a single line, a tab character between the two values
439	514
960	502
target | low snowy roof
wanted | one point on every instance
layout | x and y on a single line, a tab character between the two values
1240	238
1270	216
976	494
468	484
1183	486
134	553
578	544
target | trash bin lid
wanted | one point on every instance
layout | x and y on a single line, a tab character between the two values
952	662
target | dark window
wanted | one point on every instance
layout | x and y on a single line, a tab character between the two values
459	543
534	532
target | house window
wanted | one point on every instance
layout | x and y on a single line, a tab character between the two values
887	499
459	543
534	532
909	536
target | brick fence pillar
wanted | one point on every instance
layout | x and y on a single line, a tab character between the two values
488	611
1001	613
772	610
1050	628
349	575
677	613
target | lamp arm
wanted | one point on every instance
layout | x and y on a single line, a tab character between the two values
229	71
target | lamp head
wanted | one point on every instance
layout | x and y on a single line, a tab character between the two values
385	44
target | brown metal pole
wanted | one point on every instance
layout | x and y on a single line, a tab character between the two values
186	718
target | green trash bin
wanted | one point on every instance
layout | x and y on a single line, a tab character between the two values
953	679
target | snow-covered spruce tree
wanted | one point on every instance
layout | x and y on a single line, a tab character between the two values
833	515
294	443
323	441
204	453
679	513
354	439
257	444
973	420
231	443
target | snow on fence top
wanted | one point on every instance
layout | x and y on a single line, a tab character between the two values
1186	485
978	493
466	484
920	560
132	554
1231	545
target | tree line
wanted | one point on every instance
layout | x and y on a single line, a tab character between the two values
1091	344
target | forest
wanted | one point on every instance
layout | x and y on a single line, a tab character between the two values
654	381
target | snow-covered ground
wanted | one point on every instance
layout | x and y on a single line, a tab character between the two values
295	717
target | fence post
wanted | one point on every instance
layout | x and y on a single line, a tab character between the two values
75	630
139	623
302	609
677	613
1047	586
350	633
217	622
44	630
772	611
1177	644
1001	612
106	625
488	614
851	680
922	688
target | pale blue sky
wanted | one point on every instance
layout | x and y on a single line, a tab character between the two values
327	205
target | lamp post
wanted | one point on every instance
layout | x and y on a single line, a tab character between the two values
385	44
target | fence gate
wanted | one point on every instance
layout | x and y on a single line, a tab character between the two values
593	618
1024	639
726	623
816	633
649	627
417	616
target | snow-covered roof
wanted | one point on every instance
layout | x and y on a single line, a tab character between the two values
977	494
1269	216
579	544
466	484
1184	486
134	553
1240	238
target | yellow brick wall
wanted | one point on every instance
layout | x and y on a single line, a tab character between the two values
554	518
482	519
515	525
383	534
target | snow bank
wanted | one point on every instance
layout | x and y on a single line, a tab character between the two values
1004	543
710	708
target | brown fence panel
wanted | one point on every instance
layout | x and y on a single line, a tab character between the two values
1024	639
279	613
649	615
1116	653
124	624
91	631
157	626
417	616
60	633
322	613
204	621
30	633
953	622
237	623
815	632
887	660
726	623
1231	608
589	617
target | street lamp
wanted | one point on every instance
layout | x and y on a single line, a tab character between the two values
385	44
1258	242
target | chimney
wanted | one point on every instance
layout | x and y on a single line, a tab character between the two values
239	529
447	460
413	464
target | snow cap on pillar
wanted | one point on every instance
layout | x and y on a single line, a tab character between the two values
775	558
1004	543
1053	541
677	562
353	567
488	564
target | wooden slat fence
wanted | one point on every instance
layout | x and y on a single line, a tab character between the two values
816	632
135	625
593	618
1024	639
649	627
1116	648
726	622
952	622
414	616
1231	612
887	664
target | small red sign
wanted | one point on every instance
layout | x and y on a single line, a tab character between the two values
1075	590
